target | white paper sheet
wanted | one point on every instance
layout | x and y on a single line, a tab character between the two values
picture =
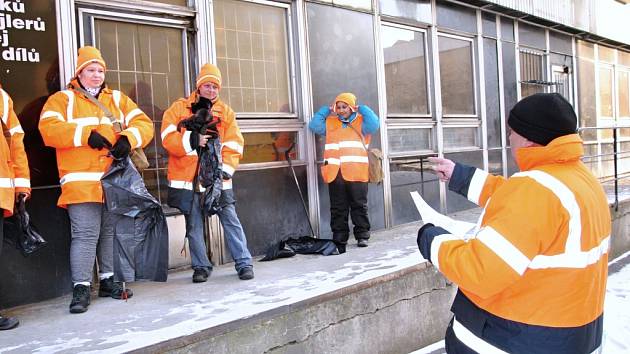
430	215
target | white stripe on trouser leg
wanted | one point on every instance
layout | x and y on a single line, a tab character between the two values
472	341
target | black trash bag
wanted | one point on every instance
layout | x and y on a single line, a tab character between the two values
20	232
301	245
210	176
140	231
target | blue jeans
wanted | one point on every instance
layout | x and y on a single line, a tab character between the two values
232	230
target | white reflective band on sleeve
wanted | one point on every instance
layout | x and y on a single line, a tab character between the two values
22	182
331	147
227	184
472	341
359	159
228	169
52	114
170	129
186	141
572	260
16	129
116	97
181	185
136	133
131	115
233	145
476	185
78	133
567	199
105	121
5	106
435	247
504	249
81	177
351	144
331	161
70	107
81	123
6	183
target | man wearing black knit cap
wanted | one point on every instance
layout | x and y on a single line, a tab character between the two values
532	278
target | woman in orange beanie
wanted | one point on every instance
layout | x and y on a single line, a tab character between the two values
348	128
86	141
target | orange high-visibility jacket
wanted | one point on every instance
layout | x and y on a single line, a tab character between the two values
68	118
540	255
182	160
14	172
345	151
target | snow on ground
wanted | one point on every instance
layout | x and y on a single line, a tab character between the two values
616	311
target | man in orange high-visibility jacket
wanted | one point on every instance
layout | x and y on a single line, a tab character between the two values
182	146
348	128
14	174
532	279
86	143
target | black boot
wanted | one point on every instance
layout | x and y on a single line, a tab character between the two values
8	323
110	288
246	273
200	275
80	299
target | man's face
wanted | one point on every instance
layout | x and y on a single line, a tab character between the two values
343	110
517	141
209	90
92	76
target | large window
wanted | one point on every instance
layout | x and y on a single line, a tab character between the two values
457	76
532	72
606	91
253	54
405	71
145	61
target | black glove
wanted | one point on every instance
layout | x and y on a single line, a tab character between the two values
122	148
97	141
212	129
202	103
194	140
225	176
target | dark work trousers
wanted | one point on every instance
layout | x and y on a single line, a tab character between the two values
348	197
1	229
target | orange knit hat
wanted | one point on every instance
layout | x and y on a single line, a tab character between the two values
348	98
87	56
209	73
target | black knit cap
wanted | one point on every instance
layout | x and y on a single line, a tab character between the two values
543	117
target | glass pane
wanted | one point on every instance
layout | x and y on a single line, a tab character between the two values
532	73
624	94
172	2
585	49
587	94
456	17
405	71
403	140
624	57
489	24
495	162
357	4
461	137
493	114
606	54
605	92
561	43
507	29
148	66
532	36
269	146
509	78
419	10
456	76
407	175
252	52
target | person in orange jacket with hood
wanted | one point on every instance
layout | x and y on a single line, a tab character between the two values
86	143
532	278
182	146
346	126
14	173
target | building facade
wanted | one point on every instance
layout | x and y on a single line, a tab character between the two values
442	76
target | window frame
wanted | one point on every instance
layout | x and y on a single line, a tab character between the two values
473	55
427	73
